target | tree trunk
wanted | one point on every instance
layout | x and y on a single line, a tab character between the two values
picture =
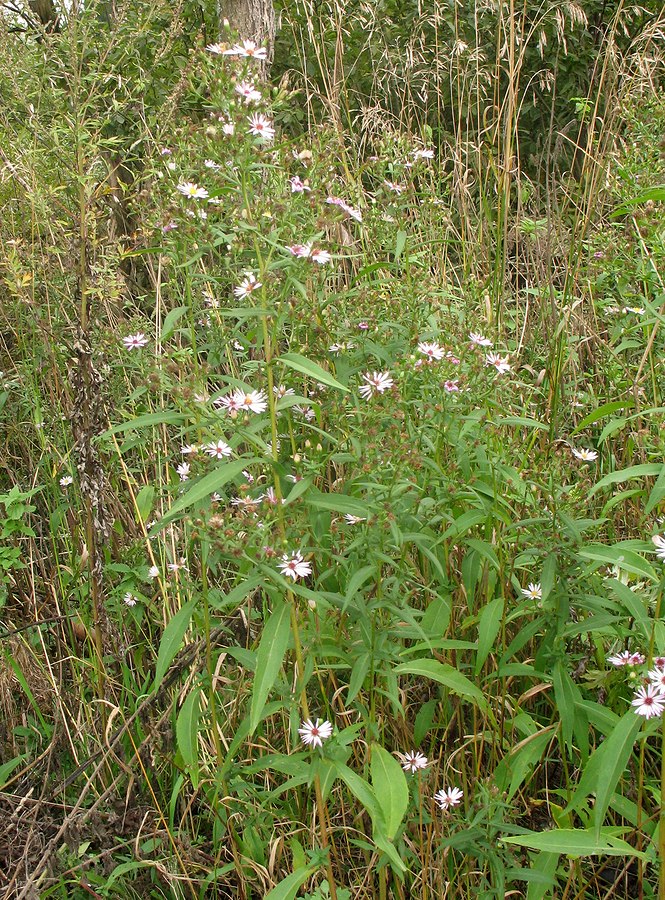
254	20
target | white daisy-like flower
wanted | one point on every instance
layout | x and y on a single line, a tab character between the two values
232	402
229	128
659	544
315	733
657	677
189	450
129	599
218	449
431	350
261	126
153	572
349	210
426	153
533	591
393	186
479	340
282	391
350	519
211	164
66	480
375	382
177	566
247	90
193	191
298	186
341	347
584	455
215	49
319	256
135	341
247	49
638	310
183	471
413	761
247	285
500	363
295	566
649	701
448	797
254	401
625	658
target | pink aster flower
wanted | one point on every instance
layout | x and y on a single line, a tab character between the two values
479	340
247	49
657	678
295	566
625	658
298	186
343	205
247	90
648	701
432	351
300	250
315	733
448	797
451	387
193	191
261	126
392	186
218	449
659	544
375	382
500	363
659	662
246	286
135	341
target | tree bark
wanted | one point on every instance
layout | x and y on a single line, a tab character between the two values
254	20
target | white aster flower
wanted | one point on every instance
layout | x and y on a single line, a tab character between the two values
294	566
659	544
302	251
193	191
500	363
189	450
533	591
135	341
153	572
657	678
247	49
261	126
183	471
349	210
479	340
432	351
211	164
129	599
254	401
218	449
315	733
375	382
353	520
247	90
319	256
423	154
66	480
585	455
249	284
413	761
449	797
648	701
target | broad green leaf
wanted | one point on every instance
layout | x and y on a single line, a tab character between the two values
617	555
361	790
605	767
655	193
299	488
445	675
605	410
641	471
158	418
634	606
522	422
144	501
269	657
400	244
544	868
339	503
489	624
575	842
171	641
312	369
203	488
172	320
289	886
566	693
389	849
187	730
390	788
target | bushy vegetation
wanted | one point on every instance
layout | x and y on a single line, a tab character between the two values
333	482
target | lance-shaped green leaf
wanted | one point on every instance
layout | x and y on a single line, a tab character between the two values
312	369
269	658
446	675
288	887
390	789
575	842
171	640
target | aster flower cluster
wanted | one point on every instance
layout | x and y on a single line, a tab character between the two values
649	698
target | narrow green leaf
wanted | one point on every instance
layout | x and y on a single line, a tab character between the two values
618	555
171	641
172	320
361	790
311	369
489	624
390	788
269	657
641	471
158	418
605	767
7	768
565	694
144	501
187	728
605	410
339	503
574	842
446	675
289	886
634	605
657	493
400	244
543	867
